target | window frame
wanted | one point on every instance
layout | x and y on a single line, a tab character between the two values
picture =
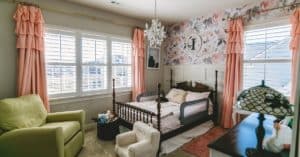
64	32
271	23
124	41
79	35
93	92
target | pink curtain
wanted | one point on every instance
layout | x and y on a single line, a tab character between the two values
233	71
30	44
294	46
138	85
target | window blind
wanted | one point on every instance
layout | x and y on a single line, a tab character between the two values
60	62
81	63
121	63
267	57
94	60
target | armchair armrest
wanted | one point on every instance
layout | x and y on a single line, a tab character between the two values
78	115
140	149
126	138
33	142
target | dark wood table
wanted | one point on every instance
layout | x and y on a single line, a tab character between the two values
243	136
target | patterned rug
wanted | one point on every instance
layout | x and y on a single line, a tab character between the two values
178	141
198	146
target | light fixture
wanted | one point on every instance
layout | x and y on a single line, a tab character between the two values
114	2
156	32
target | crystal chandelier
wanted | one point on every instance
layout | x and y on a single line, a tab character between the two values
156	32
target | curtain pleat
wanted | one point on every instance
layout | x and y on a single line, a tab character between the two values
294	46
233	71
31	58
138	85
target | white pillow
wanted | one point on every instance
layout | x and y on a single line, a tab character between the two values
191	96
176	95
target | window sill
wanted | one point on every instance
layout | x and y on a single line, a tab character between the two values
71	99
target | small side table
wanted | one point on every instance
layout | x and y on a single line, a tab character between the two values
108	131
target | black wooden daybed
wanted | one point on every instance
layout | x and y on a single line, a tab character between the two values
128	114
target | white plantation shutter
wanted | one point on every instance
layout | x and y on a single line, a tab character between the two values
121	63
61	62
267	57
94	64
81	63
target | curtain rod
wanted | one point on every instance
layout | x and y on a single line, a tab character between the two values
26	3
71	13
293	6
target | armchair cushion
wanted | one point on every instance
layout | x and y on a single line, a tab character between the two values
22	112
78	115
126	138
1	131
69	128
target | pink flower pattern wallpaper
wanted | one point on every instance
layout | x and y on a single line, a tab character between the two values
202	40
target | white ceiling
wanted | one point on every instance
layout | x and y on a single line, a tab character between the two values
168	10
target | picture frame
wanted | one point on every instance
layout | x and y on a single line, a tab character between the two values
153	58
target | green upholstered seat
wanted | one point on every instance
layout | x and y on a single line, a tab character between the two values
26	129
69	129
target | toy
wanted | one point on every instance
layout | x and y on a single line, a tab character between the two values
281	138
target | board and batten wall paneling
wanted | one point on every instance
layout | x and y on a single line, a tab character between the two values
196	73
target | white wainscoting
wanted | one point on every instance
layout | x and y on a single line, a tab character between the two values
200	73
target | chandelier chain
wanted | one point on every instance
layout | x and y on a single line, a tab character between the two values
155	10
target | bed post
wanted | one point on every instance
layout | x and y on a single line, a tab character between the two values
114	97
158	108
171	79
216	106
158	117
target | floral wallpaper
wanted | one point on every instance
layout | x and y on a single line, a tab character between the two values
202	40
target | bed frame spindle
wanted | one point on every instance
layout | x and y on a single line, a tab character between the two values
171	79
114	97
216	106
158	107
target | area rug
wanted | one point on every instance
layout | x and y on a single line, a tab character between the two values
198	146
176	142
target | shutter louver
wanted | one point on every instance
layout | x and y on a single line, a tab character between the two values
121	63
61	62
94	68
267	57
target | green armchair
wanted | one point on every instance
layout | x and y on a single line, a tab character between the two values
26	129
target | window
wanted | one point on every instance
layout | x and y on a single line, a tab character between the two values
61	62
94	64
121	63
78	63
267	57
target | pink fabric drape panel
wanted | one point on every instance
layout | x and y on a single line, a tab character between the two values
31	59
233	71
294	46
138	85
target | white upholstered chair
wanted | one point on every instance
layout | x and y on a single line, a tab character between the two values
142	141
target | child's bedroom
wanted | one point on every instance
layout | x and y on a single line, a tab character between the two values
149	78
